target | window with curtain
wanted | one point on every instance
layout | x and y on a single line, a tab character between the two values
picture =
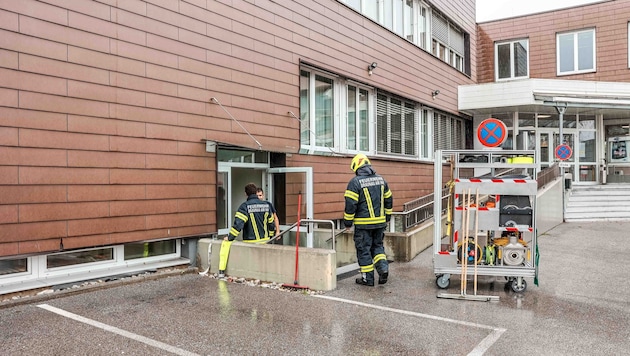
397	125
448	132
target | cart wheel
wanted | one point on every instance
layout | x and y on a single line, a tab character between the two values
443	281
515	287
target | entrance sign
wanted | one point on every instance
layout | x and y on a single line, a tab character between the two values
563	152
491	132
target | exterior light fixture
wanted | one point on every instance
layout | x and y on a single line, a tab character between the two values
371	67
435	93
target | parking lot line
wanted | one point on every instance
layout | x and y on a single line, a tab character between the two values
118	331
480	349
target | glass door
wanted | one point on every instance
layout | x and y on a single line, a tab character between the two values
586	150
545	153
287	186
223	203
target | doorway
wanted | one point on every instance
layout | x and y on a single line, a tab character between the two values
282	186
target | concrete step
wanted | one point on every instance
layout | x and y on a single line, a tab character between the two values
572	211
600	202
599	198
595	218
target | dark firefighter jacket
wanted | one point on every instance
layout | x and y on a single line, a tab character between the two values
368	200
255	219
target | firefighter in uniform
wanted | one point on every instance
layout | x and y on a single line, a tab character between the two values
254	217
368	205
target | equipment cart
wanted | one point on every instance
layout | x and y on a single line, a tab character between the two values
490	210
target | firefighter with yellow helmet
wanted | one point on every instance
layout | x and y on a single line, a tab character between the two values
368	205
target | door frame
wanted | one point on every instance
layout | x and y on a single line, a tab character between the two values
307	195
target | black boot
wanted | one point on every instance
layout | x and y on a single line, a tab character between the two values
366	279
382	268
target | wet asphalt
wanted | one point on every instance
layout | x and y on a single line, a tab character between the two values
580	307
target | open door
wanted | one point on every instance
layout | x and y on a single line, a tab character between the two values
284	186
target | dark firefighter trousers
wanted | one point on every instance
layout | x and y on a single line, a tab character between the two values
369	245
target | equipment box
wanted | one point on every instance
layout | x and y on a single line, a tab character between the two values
513	220
515	210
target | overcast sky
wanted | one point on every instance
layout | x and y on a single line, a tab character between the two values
497	9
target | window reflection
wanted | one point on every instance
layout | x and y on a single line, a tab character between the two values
79	257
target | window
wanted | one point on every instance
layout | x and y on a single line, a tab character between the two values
448	132
11	266
335	113
448	42
576	52
512	60
354	118
136	250
79	257
397	125
317	104
420	24
358	124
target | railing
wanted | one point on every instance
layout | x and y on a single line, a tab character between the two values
419	210
416	212
306	222
547	175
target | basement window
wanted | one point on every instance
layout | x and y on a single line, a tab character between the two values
11	266
79	257
149	249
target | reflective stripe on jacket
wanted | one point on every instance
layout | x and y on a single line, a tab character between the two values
368	200
254	218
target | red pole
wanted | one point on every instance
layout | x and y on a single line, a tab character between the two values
297	239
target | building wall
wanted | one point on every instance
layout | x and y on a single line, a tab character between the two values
332	174
104	106
609	18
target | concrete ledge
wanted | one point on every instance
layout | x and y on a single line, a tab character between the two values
273	263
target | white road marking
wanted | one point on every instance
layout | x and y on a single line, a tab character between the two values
115	330
480	349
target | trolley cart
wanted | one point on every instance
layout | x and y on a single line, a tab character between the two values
496	190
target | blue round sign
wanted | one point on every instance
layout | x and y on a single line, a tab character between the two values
491	132
563	152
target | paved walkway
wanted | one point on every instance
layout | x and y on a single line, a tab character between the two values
580	308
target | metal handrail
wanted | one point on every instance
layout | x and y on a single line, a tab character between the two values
309	221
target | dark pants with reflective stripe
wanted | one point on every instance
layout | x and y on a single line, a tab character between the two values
368	243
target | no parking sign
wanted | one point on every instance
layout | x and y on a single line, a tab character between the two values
491	132
563	152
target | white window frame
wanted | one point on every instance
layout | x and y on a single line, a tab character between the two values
343	127
400	136
340	116
37	269
312	145
576	63
512	70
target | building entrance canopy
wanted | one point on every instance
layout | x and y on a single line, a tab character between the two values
593	118
543	95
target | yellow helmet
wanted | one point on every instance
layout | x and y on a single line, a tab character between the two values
359	161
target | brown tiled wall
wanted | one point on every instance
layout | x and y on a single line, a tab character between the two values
331	176
104	105
609	18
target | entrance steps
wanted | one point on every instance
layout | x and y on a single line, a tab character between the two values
598	202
